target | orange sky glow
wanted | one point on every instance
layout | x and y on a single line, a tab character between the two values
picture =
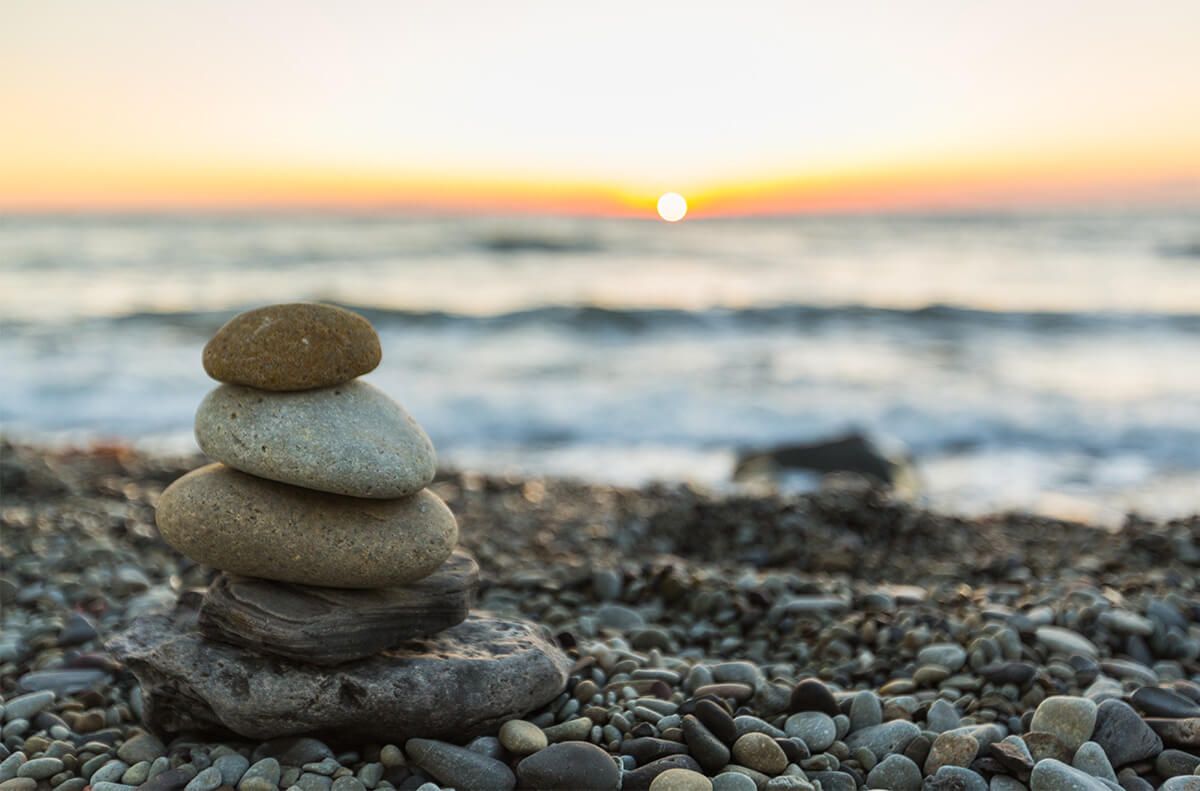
544	107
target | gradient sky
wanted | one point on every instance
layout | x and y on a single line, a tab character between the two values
598	107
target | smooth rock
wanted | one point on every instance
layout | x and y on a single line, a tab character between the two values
144	747
1053	775
460	683
885	739
759	751
865	710
293	750
709	751
1182	733
1159	702
581	766
641	778
1169	763
681	780
951	656
231	767
263	775
897	773
521	737
459	767
256	528
955	778
733	781
1090	758
292	347
350	439
816	728
1123	735
951	749
1064	641
1069	718
812	695
328	626
1185	783
24	707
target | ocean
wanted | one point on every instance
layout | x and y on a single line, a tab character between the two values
1044	362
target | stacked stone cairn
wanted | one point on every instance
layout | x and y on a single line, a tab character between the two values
341	604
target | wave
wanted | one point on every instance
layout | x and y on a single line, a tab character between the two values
802	317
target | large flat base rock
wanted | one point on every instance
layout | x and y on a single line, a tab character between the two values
458	684
329	626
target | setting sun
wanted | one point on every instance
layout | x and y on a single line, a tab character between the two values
672	207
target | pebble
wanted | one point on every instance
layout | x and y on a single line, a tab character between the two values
575	765
956	778
23	707
709	751
1065	641
1090	758
19	784
951	656
951	749
144	747
463	769
812	695
816	728
759	751
295	346
1171	763
40	768
1123	735
1159	702
865	710
520	737
208	780
258	528
884	739
1053	775
263	775
681	780
733	781
351	439
231	767
1070	719
895	772
942	716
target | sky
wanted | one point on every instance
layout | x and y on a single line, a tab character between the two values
598	108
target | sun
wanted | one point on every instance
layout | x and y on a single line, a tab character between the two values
672	207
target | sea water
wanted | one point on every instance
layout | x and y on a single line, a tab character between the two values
1036	361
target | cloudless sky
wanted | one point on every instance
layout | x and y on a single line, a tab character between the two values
742	106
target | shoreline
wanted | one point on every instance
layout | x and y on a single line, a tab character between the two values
846	585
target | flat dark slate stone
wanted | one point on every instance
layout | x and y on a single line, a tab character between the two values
330	626
463	682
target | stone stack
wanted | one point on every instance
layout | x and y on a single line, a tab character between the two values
341	606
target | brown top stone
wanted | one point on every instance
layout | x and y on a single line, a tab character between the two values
296	346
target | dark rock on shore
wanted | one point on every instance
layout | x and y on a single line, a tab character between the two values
460	683
328	626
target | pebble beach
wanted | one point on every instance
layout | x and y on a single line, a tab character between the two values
838	640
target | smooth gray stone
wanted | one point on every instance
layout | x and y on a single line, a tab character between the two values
581	766
22	707
232	767
1065	641
1053	775
865	710
896	772
833	781
1159	702
816	728
885	739
1090	758
1169	763
951	656
1123	734
347	439
1186	783
64	682
955	778
709	751
251	526
461	683
329	626
1071	719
